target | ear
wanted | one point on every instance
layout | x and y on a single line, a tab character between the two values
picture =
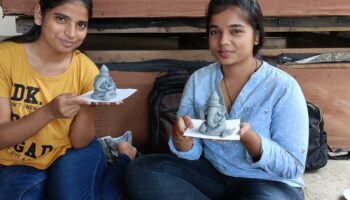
38	17
256	39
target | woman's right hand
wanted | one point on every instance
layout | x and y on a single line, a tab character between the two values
65	106
181	142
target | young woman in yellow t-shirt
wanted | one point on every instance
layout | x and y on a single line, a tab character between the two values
47	134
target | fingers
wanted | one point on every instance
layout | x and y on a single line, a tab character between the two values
181	124
66	105
188	121
244	128
106	103
79	101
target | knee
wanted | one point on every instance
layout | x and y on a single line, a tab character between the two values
144	168
143	164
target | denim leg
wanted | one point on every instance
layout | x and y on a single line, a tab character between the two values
78	174
113	182
22	183
168	177
257	189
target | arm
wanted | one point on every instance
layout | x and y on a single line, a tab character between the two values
185	147
82	130
181	142
15	132
284	152
251	141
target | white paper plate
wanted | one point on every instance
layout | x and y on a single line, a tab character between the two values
121	95
346	194
230	124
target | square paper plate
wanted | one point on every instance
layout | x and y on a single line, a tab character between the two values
230	124
121	95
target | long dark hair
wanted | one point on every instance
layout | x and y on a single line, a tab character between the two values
33	34
251	10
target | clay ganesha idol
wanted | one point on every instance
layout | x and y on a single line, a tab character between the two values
104	86
215	124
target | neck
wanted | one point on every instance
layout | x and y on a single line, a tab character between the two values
46	54
240	71
45	61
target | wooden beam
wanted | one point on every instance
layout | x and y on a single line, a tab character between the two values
193	55
270	29
197	25
317	66
276	52
191	8
139	56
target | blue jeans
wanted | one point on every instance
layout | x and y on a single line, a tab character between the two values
168	177
79	174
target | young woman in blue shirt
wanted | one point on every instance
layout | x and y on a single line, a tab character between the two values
269	159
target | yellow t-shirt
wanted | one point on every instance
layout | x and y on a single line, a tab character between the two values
28	91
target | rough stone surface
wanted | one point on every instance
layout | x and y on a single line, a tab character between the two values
329	182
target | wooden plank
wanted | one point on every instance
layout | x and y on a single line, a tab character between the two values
192	8
139	56
329	89
318	66
305	7
191	55
133	113
197	25
276	52
305	29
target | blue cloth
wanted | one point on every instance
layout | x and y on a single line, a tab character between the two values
273	104
153	177
79	174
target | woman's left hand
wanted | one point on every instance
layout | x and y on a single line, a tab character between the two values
251	140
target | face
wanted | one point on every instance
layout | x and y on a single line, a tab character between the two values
231	38
64	27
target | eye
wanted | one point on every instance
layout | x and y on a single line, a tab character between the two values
235	31
60	19
82	25
213	33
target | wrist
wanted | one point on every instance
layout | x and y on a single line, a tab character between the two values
47	112
182	145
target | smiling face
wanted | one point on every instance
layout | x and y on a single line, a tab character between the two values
64	27
231	37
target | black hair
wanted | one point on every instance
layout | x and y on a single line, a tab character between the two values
33	34
250	9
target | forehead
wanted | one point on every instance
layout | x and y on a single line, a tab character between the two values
231	15
73	9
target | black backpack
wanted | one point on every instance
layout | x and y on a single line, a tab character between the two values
164	101
318	148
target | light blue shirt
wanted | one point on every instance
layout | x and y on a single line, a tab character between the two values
273	104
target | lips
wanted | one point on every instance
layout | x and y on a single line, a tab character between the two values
67	44
224	53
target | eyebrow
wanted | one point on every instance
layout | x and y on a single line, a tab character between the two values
61	15
67	17
232	26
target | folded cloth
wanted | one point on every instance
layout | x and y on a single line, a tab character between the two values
109	144
339	154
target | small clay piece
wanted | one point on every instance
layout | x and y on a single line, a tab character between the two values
104	86
215	124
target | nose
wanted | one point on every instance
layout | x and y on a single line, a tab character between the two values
70	30
224	39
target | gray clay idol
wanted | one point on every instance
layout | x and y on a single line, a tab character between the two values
104	86
215	124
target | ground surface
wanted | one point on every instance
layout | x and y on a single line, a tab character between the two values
328	183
